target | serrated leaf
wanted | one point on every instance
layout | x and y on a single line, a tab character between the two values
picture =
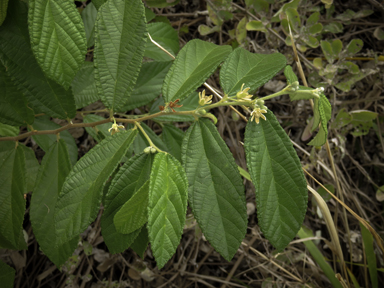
141	141
45	141
54	168
84	86
14	108
173	138
130	178
168	195
12	202
57	38
43	95
32	166
133	214
8	130
164	35
196	61
121	36
141	243
281	189
89	15
80	197
148	85
322	114
290	75
7	273
253	70
216	192
189	103
99	129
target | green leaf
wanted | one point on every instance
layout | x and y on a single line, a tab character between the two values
149	15
353	47
173	138
241	31
84	86
89	15
216	191
196	61
133	214
45	141
7	273
14	108
141	142
253	70
370	255
80	197
161	3
294	19
141	243
32	166
281	189
189	103
3	14
290	75
121	35
332	49
12	202
148	85
342	119
334	27
322	114
130	178
98	132
98	3
54	168
362	121
164	35
57	38
168	195
8	130
42	94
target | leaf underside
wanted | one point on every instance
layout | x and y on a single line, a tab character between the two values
281	189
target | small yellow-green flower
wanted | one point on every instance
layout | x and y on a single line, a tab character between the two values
243	93
257	113
115	127
204	100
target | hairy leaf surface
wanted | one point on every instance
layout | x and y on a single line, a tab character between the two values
12	202
57	38
32	166
216	191
281	189
84	86
89	15
80	197
168	193
196	61
164	35
130	178
14	108
43	95
253	70
322	114
119	49
54	168
133	214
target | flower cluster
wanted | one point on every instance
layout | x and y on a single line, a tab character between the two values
243	93
204	100
259	110
115	127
